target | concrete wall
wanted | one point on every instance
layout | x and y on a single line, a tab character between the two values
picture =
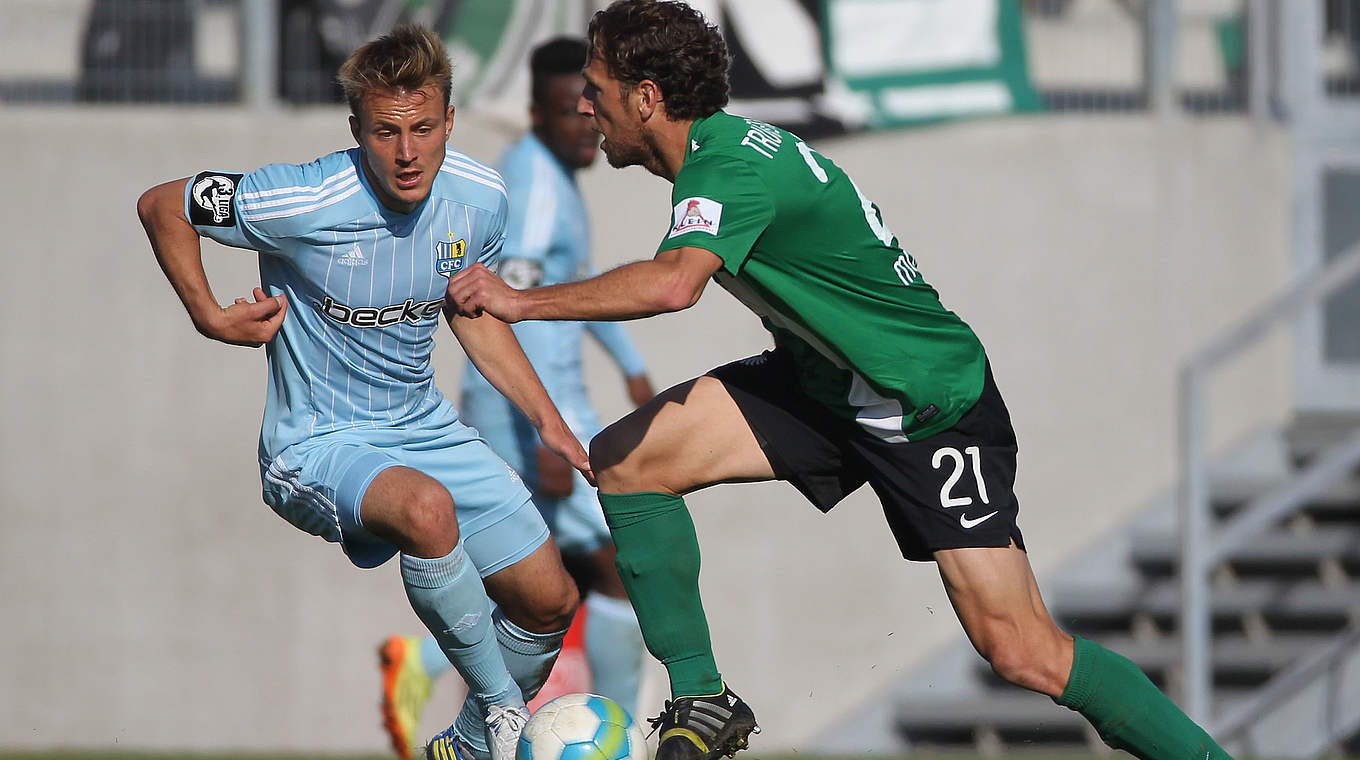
150	600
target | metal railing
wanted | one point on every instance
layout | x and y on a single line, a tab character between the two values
1201	547
259	53
1294	680
1162	56
1086	55
1341	45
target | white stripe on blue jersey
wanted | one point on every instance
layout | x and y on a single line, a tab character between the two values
454	170
336	183
340	193
365	286
472	164
342	175
536	231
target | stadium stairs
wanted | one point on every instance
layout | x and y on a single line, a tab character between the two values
1285	626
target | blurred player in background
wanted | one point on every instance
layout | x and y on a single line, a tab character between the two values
358	445
871	380
547	242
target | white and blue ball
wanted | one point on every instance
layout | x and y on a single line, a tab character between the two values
582	727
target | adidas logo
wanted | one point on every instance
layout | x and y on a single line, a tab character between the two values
353	258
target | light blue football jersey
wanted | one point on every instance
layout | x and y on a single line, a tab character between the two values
365	285
548	242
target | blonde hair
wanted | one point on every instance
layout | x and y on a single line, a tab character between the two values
407	58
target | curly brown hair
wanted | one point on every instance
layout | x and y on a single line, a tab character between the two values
669	43
407	58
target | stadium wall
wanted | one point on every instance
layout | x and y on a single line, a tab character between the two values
151	601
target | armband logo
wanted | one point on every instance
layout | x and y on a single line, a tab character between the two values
521	273
211	194
696	215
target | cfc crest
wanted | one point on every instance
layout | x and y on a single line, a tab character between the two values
449	255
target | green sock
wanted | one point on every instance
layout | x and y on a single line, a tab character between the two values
1129	712
658	559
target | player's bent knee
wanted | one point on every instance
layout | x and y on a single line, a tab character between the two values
615	470
429	517
550	612
1008	662
1026	666
565	609
607	449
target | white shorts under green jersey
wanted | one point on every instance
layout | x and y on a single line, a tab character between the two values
807	251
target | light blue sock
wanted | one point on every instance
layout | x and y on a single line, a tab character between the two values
432	657
470	726
528	656
448	597
614	649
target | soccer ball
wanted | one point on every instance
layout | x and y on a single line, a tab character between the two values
581	727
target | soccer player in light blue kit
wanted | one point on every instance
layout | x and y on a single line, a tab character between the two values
547	242
357	445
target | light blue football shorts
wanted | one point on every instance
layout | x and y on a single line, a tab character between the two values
577	521
319	484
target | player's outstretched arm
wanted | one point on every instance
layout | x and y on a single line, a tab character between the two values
672	281
492	347
177	249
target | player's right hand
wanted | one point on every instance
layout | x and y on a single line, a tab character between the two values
247	323
558	437
477	289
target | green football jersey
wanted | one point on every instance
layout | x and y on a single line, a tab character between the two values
804	249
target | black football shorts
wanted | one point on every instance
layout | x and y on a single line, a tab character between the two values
952	490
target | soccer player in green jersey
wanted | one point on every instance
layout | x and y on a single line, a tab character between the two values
871	380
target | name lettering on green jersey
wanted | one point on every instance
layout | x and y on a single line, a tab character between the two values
908	271
762	138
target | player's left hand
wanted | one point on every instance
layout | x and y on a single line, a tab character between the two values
639	389
557	436
477	290
556	478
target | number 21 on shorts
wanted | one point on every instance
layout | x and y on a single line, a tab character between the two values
947	499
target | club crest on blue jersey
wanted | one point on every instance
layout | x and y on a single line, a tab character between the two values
449	256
